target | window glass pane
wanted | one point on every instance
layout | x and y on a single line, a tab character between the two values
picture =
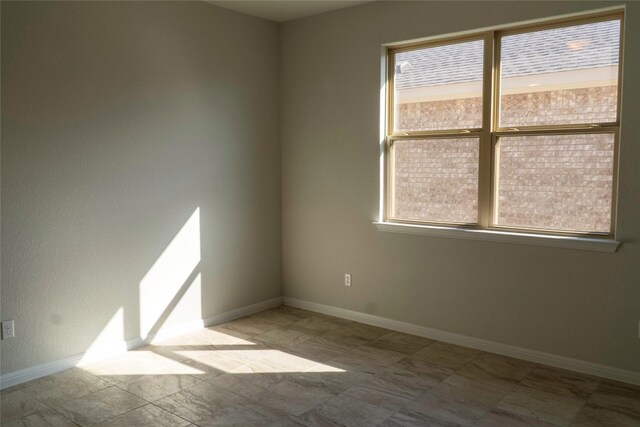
439	87
555	182
435	180
565	75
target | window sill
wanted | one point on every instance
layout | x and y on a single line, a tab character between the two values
570	242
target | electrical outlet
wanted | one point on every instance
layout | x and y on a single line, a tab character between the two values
8	330
347	279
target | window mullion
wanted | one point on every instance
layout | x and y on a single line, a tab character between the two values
485	154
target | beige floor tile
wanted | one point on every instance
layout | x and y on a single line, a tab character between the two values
447	355
461	401
314	419
47	418
294	398
617	395
145	416
366	359
601	416
130	374
98	406
339	340
17	405
172	354
562	382
286	336
154	387
248	384
17	387
302	314
148	360
280	361
363	331
486	394
336	382
403	343
199	402
201	371
495	369
347	411
14	423
114	371
201	337
613	403
227	337
280	316
143	361
249	326
497	418
64	385
408	418
215	361
319	350
381	392
417	372
247	414
537	404
322	324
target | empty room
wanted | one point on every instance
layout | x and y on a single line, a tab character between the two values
320	213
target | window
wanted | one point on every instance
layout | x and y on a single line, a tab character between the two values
515	129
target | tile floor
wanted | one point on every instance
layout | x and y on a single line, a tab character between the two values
290	367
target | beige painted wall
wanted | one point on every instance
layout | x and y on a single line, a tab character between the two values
567	302
119	120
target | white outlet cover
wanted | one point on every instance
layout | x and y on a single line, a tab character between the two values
347	279
8	330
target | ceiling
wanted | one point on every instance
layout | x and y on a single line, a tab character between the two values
285	10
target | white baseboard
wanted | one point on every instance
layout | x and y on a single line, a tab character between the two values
34	372
549	359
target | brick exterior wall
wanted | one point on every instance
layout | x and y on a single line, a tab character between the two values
448	114
550	182
588	105
560	182
437	180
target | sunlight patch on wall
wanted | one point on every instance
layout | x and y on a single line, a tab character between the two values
166	280
109	342
188	308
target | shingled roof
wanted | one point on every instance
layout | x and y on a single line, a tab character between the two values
560	49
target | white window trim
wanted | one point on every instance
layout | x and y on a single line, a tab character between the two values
554	241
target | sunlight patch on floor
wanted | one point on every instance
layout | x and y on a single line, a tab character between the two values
194	353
